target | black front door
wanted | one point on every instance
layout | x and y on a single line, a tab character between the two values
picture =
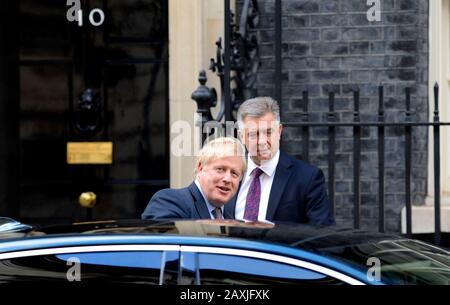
91	83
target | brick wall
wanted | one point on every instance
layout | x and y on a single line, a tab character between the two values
331	46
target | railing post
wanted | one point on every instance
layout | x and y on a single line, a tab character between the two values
227	62
205	98
331	152
278	53
408	152
437	169
356	160
305	129
381	223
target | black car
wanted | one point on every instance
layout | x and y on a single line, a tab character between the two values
216	252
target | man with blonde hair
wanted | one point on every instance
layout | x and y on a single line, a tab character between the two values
220	167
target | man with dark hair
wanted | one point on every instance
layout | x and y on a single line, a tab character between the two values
276	186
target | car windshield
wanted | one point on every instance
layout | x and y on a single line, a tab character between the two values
398	262
10	225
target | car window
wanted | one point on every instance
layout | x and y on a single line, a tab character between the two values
407	268
240	270
132	259
114	267
401	262
148	266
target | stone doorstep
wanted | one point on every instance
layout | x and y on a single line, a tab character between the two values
423	219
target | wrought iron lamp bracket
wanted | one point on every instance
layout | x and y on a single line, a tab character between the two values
244	64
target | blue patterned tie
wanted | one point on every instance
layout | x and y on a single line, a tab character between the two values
253	197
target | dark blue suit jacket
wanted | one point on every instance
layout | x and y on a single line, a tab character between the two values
186	203
298	194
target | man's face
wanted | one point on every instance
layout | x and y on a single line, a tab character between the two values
219	179
261	136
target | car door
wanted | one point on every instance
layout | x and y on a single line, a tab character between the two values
116	264
214	265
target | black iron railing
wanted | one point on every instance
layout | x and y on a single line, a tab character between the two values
381	125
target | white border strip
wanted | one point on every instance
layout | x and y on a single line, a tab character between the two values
199	249
276	258
83	249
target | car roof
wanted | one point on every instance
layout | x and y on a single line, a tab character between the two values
289	234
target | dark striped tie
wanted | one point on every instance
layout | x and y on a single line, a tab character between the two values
253	196
218	213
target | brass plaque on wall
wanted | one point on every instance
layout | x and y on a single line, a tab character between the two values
89	152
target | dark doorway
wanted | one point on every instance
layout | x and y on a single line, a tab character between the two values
121	66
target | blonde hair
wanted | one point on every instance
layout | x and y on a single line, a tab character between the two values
221	148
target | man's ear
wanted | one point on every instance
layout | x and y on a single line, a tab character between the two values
280	129
199	167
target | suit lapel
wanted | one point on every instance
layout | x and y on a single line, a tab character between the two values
230	207
199	202
282	174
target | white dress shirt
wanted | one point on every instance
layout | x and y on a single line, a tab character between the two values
266	179
211	208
